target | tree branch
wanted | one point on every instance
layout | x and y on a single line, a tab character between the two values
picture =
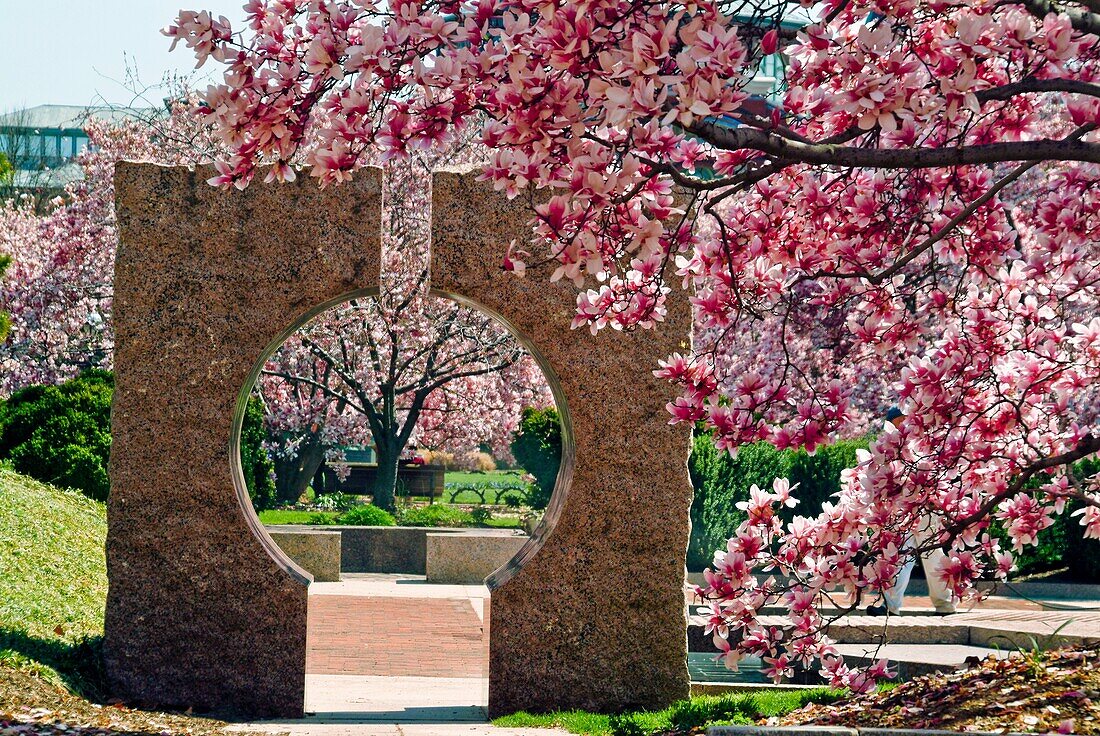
1081	20
900	158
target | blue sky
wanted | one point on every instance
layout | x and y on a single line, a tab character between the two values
75	52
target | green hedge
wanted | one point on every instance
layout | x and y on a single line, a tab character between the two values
259	471
721	481
1082	556
537	448
62	435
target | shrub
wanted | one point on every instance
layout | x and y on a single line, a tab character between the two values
1082	555
259	471
61	434
720	481
537	448
481	515
366	515
441	457
1063	543
335	501
435	515
478	462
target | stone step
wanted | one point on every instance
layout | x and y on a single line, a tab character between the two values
914	660
998	630
863	630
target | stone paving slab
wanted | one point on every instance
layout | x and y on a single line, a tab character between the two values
306	728
388	699
394	706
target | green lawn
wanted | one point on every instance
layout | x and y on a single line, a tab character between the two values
460	485
462	476
504	522
280	516
53	587
688	715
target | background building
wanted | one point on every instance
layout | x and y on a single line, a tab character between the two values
42	142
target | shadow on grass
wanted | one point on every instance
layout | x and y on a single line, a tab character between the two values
79	664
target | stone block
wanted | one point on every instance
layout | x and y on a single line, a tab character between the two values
470	557
316	552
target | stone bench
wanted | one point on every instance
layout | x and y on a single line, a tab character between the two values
403	549
315	551
469	557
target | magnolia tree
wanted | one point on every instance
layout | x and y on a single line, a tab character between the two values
59	286
920	201
430	373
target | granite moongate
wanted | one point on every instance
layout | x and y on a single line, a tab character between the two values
595	616
203	610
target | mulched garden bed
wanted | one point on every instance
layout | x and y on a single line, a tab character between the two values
31	706
1038	692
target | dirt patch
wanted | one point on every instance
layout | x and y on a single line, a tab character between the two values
1049	692
31	706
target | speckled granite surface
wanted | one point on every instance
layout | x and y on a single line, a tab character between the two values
595	618
199	612
202	613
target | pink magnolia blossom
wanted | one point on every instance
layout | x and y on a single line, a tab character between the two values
911	222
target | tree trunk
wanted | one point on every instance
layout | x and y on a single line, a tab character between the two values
293	475
385	480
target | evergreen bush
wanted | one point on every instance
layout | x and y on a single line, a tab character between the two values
537	448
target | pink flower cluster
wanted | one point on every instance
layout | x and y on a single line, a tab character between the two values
912	223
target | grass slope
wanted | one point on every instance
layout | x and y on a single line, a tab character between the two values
54	583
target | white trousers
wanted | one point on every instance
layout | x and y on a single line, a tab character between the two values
932	561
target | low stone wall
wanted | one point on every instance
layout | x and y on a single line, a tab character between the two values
315	551
384	548
469	558
391	549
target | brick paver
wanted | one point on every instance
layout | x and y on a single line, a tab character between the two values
395	636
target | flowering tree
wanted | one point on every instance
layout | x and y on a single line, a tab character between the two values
430	372
59	286
920	202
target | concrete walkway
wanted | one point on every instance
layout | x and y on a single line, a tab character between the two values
391	655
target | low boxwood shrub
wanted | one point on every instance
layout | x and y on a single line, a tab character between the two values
366	515
435	515
61	434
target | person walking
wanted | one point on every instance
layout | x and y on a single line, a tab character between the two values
932	562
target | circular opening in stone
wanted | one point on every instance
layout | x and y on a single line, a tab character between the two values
406	453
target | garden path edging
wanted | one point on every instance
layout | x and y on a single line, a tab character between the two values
842	731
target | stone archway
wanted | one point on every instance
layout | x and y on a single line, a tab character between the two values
203	609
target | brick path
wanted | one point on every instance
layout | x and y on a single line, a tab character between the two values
350	635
